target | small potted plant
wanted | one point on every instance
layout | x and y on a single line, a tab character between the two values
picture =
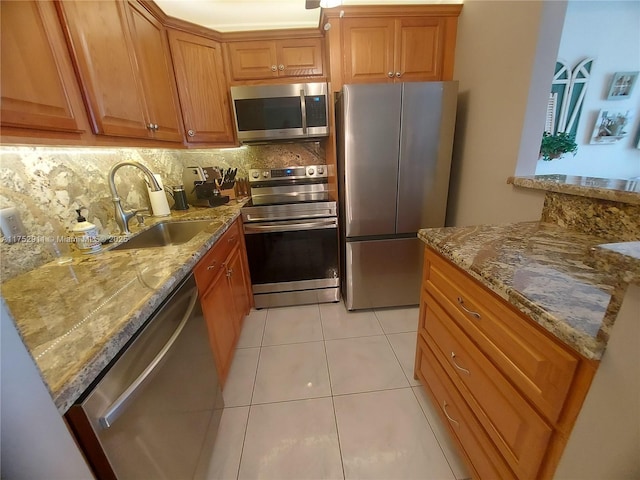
556	145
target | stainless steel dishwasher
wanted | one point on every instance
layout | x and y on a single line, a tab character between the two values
156	410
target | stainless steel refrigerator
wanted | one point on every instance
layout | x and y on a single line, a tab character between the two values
394	158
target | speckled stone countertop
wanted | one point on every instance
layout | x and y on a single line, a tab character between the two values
75	317
625	191
555	276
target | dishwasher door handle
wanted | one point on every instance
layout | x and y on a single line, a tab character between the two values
119	405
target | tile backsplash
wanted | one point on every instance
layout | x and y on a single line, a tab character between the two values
47	184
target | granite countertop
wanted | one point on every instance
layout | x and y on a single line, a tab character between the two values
74	318
625	191
568	282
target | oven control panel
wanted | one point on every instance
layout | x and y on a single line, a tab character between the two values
294	173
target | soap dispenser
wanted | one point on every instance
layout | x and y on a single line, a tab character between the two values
86	234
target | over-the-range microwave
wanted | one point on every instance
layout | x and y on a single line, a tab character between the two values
280	112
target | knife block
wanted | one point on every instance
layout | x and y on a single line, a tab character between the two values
230	192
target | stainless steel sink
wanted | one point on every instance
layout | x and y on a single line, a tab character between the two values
165	233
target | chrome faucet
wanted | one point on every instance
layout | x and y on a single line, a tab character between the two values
123	216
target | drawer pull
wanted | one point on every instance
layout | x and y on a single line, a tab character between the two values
212	266
470	312
453	360
232	239
444	409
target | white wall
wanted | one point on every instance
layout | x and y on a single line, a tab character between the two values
609	32
605	442
505	54
35	442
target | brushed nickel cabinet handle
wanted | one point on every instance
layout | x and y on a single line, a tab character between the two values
462	369
212	266
444	409
470	312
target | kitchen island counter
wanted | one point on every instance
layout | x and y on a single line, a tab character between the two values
74	318
557	277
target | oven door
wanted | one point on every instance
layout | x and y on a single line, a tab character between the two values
293	254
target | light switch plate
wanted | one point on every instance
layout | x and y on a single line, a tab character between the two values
11	225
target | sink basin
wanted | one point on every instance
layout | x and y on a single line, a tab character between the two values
165	233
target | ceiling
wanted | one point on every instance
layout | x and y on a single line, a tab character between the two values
242	15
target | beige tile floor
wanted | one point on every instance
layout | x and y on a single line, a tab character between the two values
317	392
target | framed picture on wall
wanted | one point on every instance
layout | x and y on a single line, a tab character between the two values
622	85
611	126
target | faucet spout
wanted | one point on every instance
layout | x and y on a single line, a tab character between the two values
123	216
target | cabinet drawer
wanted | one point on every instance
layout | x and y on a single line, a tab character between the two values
536	364
484	459
515	427
214	259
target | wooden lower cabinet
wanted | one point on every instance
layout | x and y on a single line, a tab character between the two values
507	390
225	295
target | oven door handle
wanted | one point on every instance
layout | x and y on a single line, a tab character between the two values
118	406
290	227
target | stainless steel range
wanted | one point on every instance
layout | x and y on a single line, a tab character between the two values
291	232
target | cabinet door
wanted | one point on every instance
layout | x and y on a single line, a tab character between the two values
219	313
35	68
154	61
419	48
299	57
253	60
202	88
237	281
368	50
103	53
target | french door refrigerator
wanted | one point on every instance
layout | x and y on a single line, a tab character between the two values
394	158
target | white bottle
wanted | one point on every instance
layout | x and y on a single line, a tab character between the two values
86	235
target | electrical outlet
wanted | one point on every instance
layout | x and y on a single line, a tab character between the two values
11	224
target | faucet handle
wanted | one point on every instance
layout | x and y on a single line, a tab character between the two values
140	215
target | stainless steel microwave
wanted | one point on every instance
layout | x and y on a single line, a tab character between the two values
280	112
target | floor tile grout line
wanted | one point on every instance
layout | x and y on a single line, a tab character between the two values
255	377
244	439
432	430
396	355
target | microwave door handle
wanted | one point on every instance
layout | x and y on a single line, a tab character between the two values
118	406
303	104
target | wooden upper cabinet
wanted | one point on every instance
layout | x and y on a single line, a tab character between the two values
36	69
202	88
255	60
299	57
419	49
156	71
120	59
395	49
368	49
